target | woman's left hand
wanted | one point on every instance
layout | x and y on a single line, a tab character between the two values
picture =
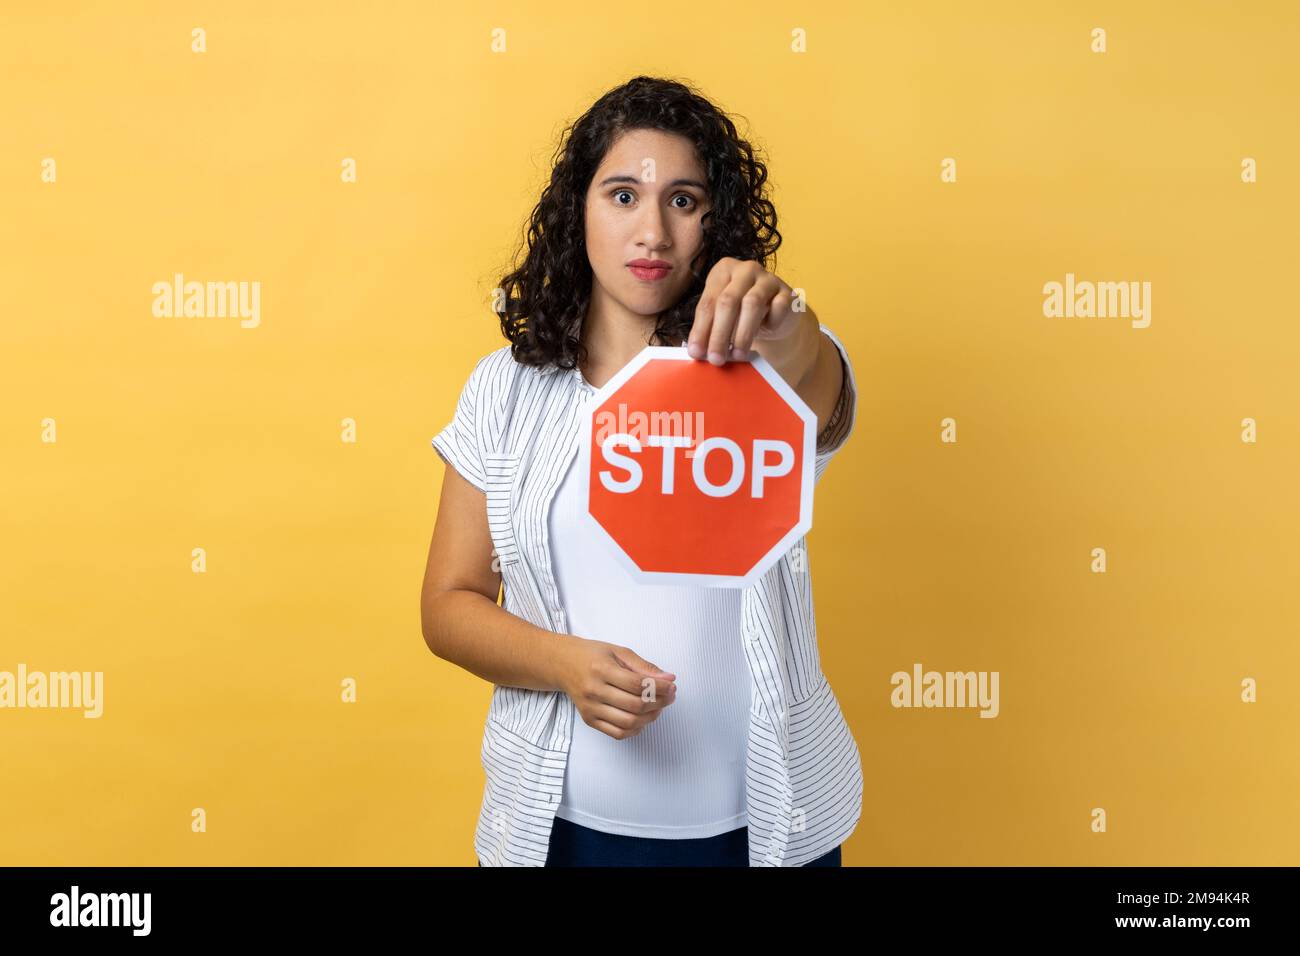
742	302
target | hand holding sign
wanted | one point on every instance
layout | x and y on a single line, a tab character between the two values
697	473
741	302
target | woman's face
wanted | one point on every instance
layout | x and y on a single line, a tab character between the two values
645	202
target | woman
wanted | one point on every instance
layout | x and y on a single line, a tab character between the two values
653	230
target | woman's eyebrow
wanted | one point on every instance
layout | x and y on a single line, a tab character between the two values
634	179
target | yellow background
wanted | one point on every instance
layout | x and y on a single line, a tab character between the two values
1118	690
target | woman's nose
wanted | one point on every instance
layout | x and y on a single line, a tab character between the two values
653	228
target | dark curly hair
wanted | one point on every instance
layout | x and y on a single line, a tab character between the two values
542	302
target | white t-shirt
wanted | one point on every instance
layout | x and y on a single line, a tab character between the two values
683	775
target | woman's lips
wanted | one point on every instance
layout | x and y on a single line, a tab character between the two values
650	273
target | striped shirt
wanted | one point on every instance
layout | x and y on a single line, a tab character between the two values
513	436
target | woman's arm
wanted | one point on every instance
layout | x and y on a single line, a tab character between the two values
463	624
459	614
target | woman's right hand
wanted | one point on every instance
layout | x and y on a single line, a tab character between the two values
608	684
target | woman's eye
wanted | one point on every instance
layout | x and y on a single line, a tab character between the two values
689	204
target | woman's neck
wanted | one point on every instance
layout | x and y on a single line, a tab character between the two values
613	337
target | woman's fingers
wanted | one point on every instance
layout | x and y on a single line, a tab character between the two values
618	733
740	298
755	308
706	310
617	723
634	701
631	672
633	682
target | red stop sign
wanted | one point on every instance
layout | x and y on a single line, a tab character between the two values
697	473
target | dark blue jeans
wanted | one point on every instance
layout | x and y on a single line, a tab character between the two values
574	845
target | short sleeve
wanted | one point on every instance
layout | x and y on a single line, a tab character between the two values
460	443
840	425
